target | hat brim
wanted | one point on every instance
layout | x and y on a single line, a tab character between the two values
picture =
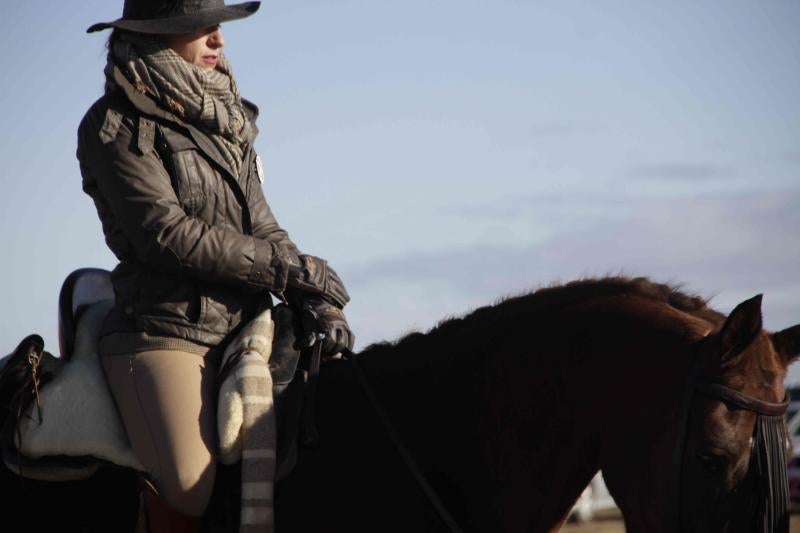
182	23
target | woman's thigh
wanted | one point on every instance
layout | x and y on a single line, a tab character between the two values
167	402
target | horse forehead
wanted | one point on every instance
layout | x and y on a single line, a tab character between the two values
766	352
759	373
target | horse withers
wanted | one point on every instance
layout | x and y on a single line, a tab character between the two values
510	411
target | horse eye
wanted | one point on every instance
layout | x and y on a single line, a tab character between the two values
712	463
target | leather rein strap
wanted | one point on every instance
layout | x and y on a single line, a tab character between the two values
412	465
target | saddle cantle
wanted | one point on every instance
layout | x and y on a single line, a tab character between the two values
81	427
80	290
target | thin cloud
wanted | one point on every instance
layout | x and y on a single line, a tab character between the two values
554	129
544	205
682	171
731	247
746	229
793	157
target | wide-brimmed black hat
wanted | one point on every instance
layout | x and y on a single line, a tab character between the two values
176	16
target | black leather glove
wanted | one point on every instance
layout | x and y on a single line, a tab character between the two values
314	276
321	321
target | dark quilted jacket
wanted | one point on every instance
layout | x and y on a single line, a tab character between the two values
199	248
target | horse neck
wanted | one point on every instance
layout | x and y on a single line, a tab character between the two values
419	379
646	383
529	400
607	351
432	389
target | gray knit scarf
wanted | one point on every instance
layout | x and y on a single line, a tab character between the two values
206	98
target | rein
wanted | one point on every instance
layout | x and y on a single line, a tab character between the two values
412	465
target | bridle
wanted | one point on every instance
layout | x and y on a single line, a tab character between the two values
767	457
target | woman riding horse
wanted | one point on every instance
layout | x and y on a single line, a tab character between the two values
167	156
508	413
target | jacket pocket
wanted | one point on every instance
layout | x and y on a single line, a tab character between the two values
170	298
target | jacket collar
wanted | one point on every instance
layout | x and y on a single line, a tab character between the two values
251	110
148	106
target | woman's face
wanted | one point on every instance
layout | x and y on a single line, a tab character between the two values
200	48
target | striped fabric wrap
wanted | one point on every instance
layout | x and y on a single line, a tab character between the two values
248	387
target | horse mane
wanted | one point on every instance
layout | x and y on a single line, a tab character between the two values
550	298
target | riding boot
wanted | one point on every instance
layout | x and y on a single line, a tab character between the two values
160	517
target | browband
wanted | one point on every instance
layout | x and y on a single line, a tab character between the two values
742	401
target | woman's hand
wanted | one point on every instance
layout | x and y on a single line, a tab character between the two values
321	321
314	276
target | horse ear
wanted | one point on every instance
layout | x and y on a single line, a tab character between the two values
740	329
787	343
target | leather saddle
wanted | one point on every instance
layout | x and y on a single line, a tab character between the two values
85	297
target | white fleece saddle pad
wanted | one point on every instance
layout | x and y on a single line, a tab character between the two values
80	418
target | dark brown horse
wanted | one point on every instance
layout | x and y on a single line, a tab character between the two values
511	410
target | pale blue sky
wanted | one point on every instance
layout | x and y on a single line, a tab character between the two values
442	154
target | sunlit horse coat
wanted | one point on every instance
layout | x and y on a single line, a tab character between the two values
198	245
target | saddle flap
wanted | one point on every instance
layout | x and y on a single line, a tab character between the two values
288	408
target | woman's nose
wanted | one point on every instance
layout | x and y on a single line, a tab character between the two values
215	39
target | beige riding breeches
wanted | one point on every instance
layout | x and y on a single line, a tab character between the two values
167	402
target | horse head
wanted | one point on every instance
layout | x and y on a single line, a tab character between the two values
733	465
